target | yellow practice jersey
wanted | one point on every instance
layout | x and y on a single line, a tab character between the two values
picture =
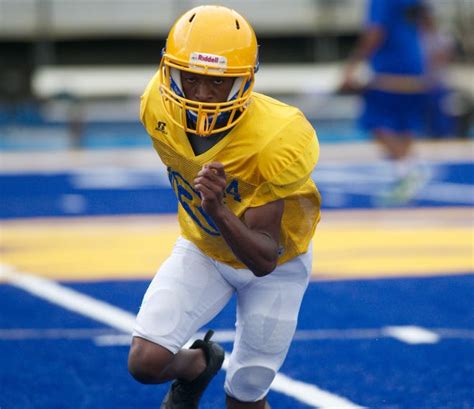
268	155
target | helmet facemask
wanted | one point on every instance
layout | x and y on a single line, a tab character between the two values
203	118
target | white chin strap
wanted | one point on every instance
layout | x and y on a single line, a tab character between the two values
235	88
176	77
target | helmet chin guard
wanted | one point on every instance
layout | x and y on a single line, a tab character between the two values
214	41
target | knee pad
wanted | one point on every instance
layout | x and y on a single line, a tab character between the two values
249	384
258	356
160	314
268	334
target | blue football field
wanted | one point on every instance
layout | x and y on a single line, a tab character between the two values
387	321
385	343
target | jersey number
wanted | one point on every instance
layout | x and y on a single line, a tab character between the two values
190	200
232	189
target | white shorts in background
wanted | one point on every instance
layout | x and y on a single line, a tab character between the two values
191	288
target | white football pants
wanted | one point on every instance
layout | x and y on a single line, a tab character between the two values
191	288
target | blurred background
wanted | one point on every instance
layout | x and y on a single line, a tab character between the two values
71	71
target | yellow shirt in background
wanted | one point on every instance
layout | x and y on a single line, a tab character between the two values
268	155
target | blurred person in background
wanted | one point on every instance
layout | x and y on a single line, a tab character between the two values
240	164
394	97
439	49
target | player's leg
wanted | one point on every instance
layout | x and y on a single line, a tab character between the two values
384	116
394	119
267	311
405	168
410	173
185	294
235	404
186	394
150	363
396	146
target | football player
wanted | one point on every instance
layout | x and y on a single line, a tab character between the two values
240	165
394	98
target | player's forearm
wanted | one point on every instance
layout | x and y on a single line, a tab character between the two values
257	250
366	46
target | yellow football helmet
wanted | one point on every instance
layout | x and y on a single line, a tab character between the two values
209	40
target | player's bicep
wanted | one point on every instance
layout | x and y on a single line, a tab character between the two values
266	218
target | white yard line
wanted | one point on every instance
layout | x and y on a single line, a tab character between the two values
412	334
54	333
123	321
106	337
70	299
407	334
445	192
441	192
311	394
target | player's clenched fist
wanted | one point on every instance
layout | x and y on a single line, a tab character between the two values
210	183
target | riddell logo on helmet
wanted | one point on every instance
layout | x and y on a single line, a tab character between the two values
208	58
211	60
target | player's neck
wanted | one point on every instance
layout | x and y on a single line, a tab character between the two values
203	144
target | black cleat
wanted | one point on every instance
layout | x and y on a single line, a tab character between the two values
186	394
